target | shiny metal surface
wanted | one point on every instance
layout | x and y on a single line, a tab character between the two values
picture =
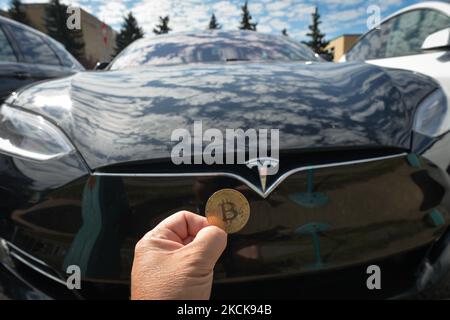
257	188
128	116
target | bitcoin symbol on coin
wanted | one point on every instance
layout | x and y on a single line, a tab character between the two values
228	209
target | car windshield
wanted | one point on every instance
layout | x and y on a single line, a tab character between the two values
211	47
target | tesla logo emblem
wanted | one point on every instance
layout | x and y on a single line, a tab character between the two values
266	167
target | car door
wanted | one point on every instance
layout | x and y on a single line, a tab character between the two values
41	61
13	74
399	43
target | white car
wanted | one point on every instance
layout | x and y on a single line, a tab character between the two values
415	38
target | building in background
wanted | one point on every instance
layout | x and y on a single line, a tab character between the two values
3	13
99	38
340	45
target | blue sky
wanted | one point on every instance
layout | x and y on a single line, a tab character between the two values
338	16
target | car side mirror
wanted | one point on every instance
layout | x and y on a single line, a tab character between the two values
437	41
101	65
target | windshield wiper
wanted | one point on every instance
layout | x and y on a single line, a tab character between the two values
236	59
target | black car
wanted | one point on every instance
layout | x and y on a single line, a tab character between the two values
362	183
27	56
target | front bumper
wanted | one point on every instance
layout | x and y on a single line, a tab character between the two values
392	213
21	280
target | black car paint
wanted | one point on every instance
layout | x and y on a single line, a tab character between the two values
15	75
319	105
74	211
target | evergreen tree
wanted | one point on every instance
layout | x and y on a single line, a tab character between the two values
246	23
163	26
284	32
213	24
17	12
55	20
129	32
317	42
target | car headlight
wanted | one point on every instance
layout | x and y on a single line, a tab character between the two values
433	115
29	136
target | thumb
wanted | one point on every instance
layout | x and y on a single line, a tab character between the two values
210	242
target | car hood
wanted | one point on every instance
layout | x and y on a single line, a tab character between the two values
121	116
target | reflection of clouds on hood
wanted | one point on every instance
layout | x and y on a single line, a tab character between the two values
130	115
364	114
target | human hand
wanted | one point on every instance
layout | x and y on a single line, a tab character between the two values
176	259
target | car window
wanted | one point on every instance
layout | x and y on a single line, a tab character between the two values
33	47
210	48
372	45
66	58
399	36
6	51
410	30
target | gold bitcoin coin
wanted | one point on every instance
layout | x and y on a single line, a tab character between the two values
228	209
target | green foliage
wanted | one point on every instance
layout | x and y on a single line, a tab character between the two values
163	26
55	20
17	12
317	39
246	23
129	32
213	24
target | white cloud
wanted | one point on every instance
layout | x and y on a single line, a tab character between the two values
387	4
278	5
86	5
184	16
278	24
33	1
341	2
338	16
256	8
112	12
345	15
300	12
227	13
265	28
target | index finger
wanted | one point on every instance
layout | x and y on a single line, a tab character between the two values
183	224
